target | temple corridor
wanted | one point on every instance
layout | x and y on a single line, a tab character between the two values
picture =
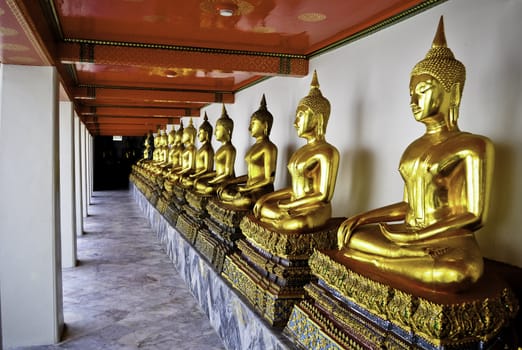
125	293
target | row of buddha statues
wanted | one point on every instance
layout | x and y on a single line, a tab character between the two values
426	240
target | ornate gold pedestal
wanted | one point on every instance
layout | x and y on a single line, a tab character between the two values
163	202
156	190
173	202
345	309
271	268
219	239
193	212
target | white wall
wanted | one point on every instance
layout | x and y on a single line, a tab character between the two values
371	124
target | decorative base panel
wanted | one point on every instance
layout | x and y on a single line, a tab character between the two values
289	244
346	306
272	268
188	226
212	248
265	297
328	321
171	214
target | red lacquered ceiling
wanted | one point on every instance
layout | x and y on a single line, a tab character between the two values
131	66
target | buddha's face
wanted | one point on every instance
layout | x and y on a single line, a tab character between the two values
427	96
202	135
186	137
256	128
220	132
304	120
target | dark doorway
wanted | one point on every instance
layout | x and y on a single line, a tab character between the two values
113	159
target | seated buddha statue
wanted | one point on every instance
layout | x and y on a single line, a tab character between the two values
156	170
188	158
428	237
156	142
204	157
243	191
152	167
313	170
224	157
175	151
171	136
146	148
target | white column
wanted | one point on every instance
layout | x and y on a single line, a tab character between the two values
91	164
83	156
78	176
67	195
31	290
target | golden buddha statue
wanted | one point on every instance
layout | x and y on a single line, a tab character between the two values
175	151
313	170
146	147
204	157
157	150
224	159
171	136
447	180
174	155
188	157
243	191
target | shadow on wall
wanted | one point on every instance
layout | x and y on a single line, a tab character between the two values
354	182
502	208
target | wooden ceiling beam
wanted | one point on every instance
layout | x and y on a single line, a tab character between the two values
122	111
129	120
169	57
124	130
151	96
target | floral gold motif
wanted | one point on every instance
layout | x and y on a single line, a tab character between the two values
438	323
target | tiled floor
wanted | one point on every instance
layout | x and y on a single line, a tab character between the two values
125	292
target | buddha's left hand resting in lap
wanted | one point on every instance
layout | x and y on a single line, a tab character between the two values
429	238
313	170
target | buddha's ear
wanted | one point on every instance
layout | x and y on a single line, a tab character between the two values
455	95
320	123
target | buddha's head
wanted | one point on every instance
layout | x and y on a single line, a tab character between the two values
164	138
157	138
170	136
437	82
313	112
205	130
224	126
261	120
179	134
189	133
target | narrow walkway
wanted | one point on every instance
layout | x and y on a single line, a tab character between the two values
125	292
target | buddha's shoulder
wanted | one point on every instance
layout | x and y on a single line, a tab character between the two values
466	140
322	148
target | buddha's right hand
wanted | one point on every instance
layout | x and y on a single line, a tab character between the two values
345	230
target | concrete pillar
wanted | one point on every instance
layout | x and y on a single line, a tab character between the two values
78	176
83	155
30	267
90	164
67	195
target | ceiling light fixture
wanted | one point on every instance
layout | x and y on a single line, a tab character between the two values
226	12
226	8
170	73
